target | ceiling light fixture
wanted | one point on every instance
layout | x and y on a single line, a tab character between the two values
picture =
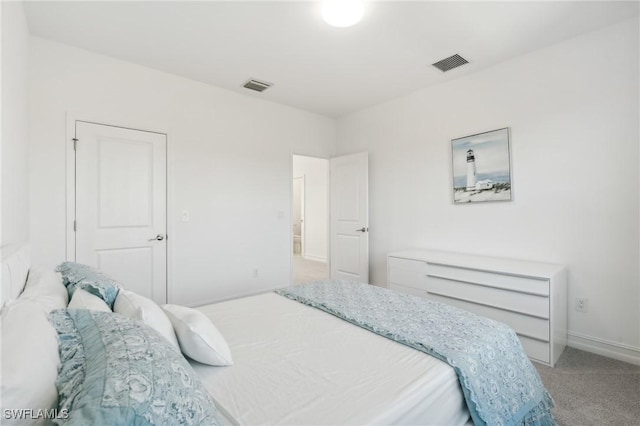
342	13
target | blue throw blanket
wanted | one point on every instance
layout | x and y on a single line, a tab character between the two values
500	385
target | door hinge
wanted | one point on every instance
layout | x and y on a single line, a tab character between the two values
75	144
75	226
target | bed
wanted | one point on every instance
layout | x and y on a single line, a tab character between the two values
322	370
293	363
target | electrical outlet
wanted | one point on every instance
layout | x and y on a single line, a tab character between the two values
581	304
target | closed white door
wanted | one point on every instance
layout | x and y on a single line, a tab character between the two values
350	217
121	205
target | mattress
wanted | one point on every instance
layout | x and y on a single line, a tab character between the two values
297	365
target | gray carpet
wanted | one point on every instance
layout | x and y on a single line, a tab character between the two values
590	389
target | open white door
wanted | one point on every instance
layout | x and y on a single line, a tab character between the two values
121	205
350	217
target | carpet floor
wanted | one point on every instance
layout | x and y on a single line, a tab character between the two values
590	389
305	270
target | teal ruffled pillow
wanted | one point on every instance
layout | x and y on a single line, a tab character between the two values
76	275
118	371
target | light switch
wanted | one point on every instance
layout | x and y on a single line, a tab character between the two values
185	215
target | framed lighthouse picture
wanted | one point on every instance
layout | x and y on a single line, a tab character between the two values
481	167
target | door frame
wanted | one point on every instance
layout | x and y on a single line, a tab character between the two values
70	176
302	207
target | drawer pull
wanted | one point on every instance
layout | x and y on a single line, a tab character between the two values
486	304
532	293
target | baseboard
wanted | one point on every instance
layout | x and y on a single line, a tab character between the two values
315	258
619	351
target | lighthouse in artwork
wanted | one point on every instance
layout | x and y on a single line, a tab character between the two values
471	171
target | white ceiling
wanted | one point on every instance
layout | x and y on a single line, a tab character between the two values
330	71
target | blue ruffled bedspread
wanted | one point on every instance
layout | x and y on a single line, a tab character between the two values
500	385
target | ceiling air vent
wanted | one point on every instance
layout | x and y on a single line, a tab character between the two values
258	86
450	63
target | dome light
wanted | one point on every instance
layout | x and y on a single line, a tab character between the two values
342	13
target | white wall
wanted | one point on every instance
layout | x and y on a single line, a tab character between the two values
15	175
230	166
315	172
573	113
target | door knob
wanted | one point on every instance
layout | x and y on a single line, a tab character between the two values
158	237
363	229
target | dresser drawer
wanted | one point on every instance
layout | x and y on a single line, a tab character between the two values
509	282
409	290
522	324
529	304
536	349
408	264
409	273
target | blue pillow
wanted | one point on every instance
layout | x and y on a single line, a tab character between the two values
118	371
90	279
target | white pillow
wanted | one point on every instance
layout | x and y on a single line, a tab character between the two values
46	287
30	360
199	338
43	277
138	307
82	299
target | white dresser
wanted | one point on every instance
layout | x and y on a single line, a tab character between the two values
530	297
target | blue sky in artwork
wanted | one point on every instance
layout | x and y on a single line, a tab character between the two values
491	152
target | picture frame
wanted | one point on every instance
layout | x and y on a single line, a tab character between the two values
481	167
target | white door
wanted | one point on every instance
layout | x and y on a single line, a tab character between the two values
350	217
121	205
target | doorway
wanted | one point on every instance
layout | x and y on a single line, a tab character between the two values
310	218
